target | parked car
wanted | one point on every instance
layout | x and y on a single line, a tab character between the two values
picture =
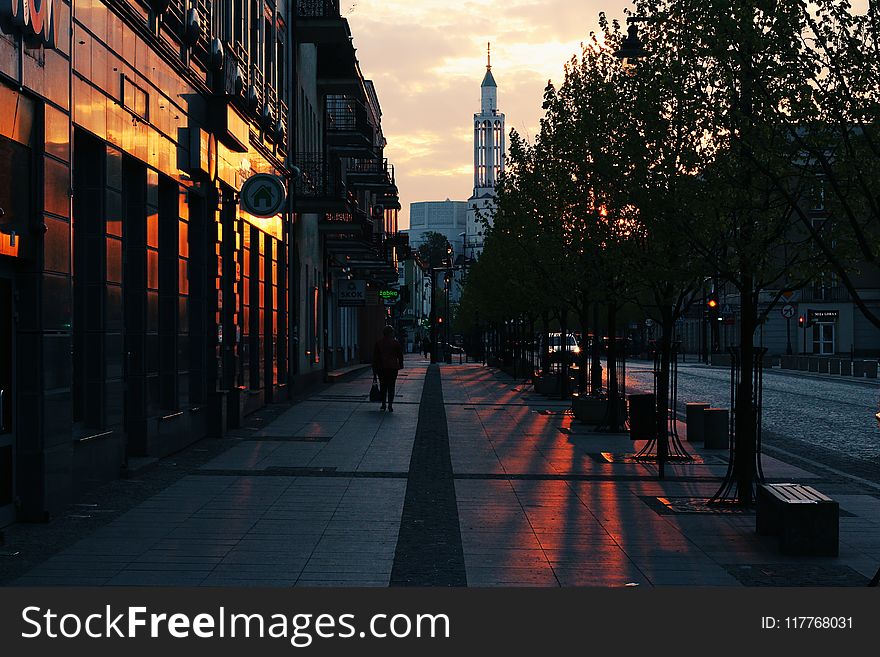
558	348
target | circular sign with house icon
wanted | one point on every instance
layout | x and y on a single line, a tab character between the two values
263	195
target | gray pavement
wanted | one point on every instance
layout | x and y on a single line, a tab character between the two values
319	495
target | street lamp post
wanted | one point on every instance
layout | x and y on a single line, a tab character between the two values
429	283
446	284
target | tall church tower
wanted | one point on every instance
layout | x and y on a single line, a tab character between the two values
489	150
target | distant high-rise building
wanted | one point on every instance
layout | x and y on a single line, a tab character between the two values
446	217
489	154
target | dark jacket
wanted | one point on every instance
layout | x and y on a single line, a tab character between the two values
387	355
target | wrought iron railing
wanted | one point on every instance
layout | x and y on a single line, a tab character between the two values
318	178
346	114
281	115
317	8
374	167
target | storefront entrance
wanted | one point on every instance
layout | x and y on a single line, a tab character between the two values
823	339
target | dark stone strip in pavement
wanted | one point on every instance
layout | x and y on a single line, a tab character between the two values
429	550
525	476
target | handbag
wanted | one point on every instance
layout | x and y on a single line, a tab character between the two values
375	393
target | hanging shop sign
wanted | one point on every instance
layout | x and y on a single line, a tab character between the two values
33	19
351	293
389	297
263	195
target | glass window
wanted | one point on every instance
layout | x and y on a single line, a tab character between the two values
57	133
114	260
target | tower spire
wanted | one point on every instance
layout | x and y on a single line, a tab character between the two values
488	55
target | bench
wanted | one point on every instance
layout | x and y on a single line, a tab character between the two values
805	520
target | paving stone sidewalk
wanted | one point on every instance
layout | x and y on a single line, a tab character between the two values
335	492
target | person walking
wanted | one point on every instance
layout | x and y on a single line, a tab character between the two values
387	361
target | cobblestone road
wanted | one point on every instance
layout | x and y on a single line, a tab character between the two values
836	414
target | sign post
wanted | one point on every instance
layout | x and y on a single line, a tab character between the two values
788	311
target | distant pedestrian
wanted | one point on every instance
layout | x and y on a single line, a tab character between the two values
387	361
426	347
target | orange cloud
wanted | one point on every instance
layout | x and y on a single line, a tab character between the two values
427	59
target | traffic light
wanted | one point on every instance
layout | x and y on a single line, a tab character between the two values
712	302
801	321
439	320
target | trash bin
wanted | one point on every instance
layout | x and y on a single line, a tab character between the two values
641	417
716	428
694	420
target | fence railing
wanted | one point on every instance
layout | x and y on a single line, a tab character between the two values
318	178
317	8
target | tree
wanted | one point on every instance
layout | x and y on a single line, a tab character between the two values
435	249
836	131
743	63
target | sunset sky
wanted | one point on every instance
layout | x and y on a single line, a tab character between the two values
428	58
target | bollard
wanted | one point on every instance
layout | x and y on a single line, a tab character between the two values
834	366
871	369
845	367
716	428
642	409
694	421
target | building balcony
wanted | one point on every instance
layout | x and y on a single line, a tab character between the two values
318	188
319	22
370	173
818	294
354	225
349	131
389	198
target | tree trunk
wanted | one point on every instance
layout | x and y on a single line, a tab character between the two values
614	423
582	359
545	344
531	347
563	355
667	326
745	426
596	355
